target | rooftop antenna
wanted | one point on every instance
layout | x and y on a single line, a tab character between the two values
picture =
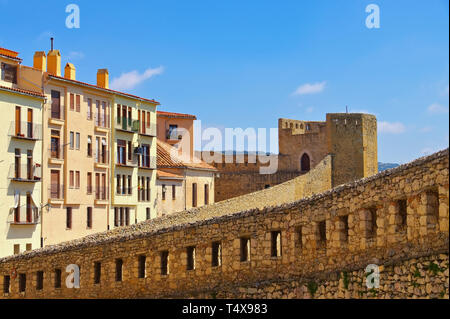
51	41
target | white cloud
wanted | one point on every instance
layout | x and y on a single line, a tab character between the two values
73	55
437	108
309	88
391	128
130	80
426	129
309	110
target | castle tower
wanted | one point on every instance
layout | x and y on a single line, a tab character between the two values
352	141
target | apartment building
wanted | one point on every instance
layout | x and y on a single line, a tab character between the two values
183	180
21	105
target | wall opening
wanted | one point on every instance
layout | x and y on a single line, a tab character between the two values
372	222
276	244
141	266
432	199
22	282
298	239
164	263
245	249
6	284
39	280
322	234
119	267
57	278
305	163
190	262
97	272
344	228
216	254
402	209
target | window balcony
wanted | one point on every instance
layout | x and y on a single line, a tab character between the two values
25	173
101	195
25	131
101	123
147	162
56	154
124	190
148	131
24	216
127	125
56	192
173	135
102	159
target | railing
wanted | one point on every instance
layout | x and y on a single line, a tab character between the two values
147	161
102	157
101	121
127	125
56	191
56	152
25	130
150	131
101	193
24	216
124	190
25	173
173	135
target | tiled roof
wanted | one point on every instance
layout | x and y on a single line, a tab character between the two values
178	115
10	54
167	156
160	173
104	89
21	91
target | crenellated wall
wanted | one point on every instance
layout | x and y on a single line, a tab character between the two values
396	219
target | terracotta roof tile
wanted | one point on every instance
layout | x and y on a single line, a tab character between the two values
179	115
167	156
160	173
27	92
10	54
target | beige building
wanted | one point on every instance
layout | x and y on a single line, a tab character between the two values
20	160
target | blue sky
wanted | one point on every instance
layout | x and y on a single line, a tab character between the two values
239	63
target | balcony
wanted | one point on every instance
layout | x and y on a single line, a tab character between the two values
127	125
101	123
56	116
101	159
128	163
173	135
25	173
25	131
147	162
56	153
24	216
148	131
56	193
124	190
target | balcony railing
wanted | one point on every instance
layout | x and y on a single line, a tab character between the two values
149	131
25	173
124	190
25	130
127	125
56	191
173	135
101	121
102	157
102	193
56	152
147	161
24	216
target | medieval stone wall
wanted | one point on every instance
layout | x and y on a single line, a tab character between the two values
396	218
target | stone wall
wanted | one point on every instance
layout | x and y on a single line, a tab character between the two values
396	218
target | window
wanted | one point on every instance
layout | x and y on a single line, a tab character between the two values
6	284
141	266
121	152
275	244
72	101
305	164
147	189
89	217
129	185
402	213
28	247
130	151
216	254
97	272
148	213
116	216
22	282
322	233
89	183
54	144
372	231
57	278
77	179
78	103
127	216
245	249
172	132
9	73
77	141
173	191
69	217
344	228
89	112
299	238
16	249
71	140
164	263
206	194
118	190
163	192
39	280
124	187
71	179
18	128
119	265
190	251
194	194
17	164
148	119
56	105
118	113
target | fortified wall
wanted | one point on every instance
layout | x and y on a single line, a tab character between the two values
349	138
314	247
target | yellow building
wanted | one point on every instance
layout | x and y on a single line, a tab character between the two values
20	160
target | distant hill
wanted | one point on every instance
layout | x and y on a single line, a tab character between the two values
385	166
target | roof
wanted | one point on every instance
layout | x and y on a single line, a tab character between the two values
168	175
21	91
168	157
10	54
177	115
102	89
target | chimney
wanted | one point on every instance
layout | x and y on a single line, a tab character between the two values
69	71
103	78
40	61
54	62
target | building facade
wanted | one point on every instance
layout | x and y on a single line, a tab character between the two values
20	161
